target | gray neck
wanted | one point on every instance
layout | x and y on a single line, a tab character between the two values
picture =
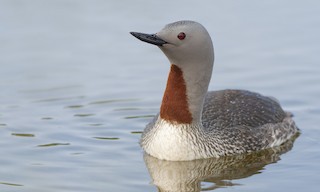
197	78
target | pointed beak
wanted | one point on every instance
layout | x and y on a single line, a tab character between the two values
149	38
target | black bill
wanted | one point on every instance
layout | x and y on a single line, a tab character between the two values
149	38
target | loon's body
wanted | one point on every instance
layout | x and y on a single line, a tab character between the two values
194	123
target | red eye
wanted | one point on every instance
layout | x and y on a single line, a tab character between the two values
181	36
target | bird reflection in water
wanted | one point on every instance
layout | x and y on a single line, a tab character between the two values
187	176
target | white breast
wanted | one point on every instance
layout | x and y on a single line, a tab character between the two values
171	141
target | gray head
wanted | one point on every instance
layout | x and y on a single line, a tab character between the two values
182	42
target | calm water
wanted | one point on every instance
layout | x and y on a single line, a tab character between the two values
77	90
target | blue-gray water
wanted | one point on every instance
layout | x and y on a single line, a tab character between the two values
76	90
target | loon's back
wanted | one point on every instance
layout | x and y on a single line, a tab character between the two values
235	108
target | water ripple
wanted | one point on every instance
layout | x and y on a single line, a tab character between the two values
107	138
52	144
112	101
11	184
23	134
139	116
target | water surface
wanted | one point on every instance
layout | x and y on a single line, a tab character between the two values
77	90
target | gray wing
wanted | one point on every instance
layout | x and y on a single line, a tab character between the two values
232	108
